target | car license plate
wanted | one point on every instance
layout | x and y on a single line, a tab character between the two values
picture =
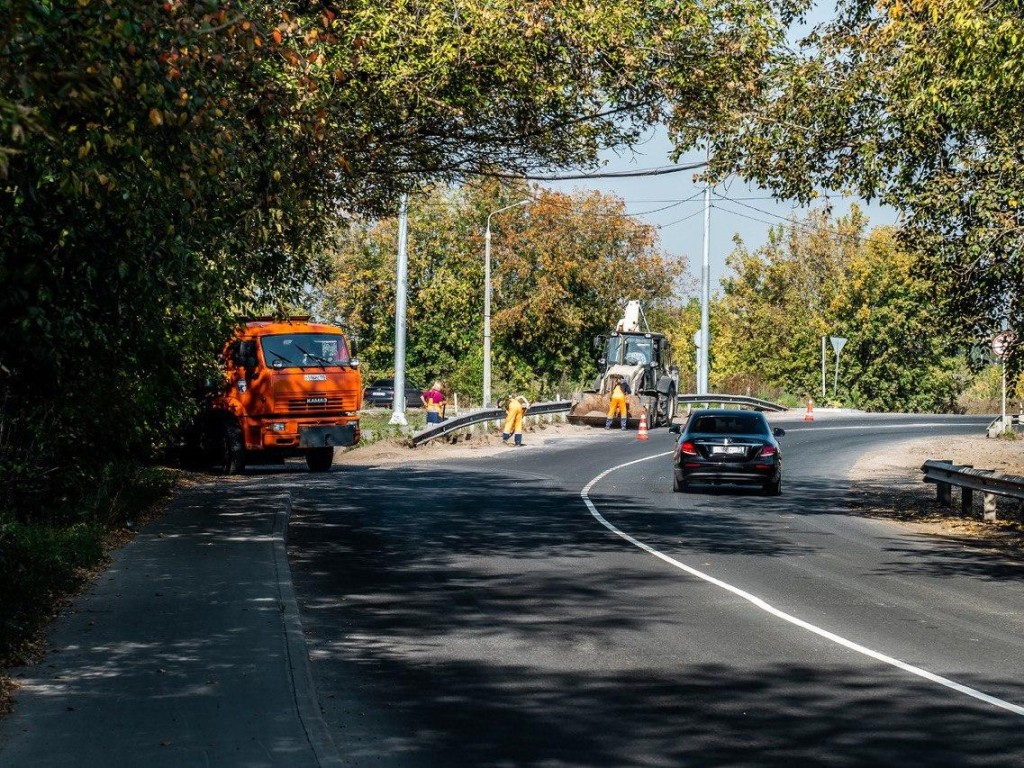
729	450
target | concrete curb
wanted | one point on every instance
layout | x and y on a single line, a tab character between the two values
307	703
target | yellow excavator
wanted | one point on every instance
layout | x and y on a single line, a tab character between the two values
643	359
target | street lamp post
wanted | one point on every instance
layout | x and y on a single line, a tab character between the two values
487	299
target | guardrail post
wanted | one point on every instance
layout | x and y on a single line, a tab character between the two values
944	493
966	501
990	507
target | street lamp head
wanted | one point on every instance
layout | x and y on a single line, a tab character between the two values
507	207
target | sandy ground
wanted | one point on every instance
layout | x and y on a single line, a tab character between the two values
463	445
888	485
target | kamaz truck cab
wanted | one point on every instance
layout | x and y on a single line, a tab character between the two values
291	388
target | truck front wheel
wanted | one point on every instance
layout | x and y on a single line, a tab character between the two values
231	460
319	459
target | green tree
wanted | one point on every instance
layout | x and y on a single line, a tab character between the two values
167	167
819	277
779	301
561	270
916	103
897	357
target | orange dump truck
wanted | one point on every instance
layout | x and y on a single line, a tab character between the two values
291	388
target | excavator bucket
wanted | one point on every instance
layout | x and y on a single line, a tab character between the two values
592	409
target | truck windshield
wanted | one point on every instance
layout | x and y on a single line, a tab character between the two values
631	350
304	350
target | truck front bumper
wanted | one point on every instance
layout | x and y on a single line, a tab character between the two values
328	437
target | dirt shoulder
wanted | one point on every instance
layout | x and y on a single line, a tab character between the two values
887	484
464	446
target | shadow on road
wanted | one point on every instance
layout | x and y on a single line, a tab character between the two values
462	618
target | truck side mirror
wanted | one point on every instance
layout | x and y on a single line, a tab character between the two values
597	343
245	355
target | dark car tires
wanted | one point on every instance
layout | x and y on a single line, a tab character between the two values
774	488
319	459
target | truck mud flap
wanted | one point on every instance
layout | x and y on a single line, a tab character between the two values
327	437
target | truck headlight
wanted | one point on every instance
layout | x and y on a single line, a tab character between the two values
277	426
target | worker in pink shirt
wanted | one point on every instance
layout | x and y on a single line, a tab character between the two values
434	402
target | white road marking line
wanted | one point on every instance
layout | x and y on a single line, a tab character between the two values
816	428
764	606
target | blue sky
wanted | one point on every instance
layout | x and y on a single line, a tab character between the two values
674	204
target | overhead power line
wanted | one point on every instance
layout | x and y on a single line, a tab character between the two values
662	171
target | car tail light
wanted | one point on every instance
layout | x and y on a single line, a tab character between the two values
768	450
688	449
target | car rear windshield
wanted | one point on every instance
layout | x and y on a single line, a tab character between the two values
304	350
732	424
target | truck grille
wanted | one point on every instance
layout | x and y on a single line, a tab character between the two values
317	404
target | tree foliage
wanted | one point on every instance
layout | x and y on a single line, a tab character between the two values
562	268
823	278
166	167
914	102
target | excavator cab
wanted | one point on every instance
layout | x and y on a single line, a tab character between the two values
642	359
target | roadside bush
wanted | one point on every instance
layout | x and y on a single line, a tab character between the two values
40	564
52	538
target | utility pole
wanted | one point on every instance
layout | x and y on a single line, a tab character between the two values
705	291
822	369
401	290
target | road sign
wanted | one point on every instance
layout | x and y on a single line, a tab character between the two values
838	342
1001	342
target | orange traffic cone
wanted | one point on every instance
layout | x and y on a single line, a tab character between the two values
642	434
809	416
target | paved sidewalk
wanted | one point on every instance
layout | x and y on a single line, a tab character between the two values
188	651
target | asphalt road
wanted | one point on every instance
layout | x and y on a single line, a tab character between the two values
487	614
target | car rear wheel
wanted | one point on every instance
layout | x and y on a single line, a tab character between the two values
319	459
774	488
679	486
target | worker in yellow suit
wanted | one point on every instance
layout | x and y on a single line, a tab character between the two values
515	409
617	406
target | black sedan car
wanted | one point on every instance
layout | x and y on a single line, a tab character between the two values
727	446
381	394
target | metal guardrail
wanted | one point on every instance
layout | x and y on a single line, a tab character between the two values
945	475
448	426
753	402
453	424
996	427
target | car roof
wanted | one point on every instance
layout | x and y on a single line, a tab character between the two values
727	422
722	411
